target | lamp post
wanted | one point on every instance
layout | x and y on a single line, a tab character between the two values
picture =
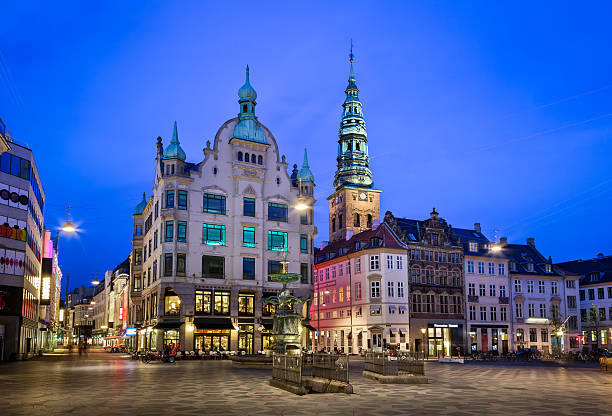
423	330
348	266
67	228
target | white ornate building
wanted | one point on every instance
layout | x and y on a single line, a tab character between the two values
206	240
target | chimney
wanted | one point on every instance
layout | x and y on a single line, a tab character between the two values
503	241
531	242
477	227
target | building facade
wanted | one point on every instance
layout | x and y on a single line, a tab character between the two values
361	293
486	292
205	242
437	319
543	300
595	299
22	204
50	289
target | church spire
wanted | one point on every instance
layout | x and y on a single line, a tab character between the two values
353	159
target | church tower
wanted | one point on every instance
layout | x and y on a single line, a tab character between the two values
355	204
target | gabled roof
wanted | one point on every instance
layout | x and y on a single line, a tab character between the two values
601	265
465	236
360	241
523	254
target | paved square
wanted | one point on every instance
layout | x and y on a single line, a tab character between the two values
106	384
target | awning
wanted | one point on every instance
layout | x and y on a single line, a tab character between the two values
402	307
168	325
392	307
213	323
403	330
392	331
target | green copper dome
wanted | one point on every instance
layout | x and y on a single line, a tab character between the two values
174	149
305	174
247	91
247	127
141	205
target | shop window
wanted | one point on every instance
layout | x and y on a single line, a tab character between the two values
222	302
246	304
203	302
213	267
171	337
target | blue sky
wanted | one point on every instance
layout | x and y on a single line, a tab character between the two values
496	114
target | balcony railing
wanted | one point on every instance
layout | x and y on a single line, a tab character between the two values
473	298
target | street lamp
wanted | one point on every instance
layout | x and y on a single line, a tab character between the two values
95	282
68	227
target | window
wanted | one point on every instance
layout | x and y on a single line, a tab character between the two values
181	262
399	262
541	288
602	314
155	240
473	246
542	310
571	284
246	305
172	305
341	269
443	303
389	262
247	157
518	310
375	310
182	199
222	302
181	231
582	297
356	220
482	290
214	204
213	235
248	268
213	267
274	267
167	264
259	160
548	268
277	241
348	293
503	313
471	289
203	302
429	303
481	267
277	212
493	311
472	313
303	272
400	289
304	244
470	266
248	207
533	335
483	313
609	292
517	286
416	302
583	315
554	289
520	335
375	289
240	153
501	269
169	199
600	293
374	262
248	237
571	302
529	286
357	291
390	291
491	268
333	272
492	290
304	218
531	310
591	294
169	231
415	275
357	266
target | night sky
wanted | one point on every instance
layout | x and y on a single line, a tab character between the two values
493	114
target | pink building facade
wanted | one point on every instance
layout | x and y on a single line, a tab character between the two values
361	293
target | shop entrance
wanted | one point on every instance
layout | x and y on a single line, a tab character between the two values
439	342
245	338
212	340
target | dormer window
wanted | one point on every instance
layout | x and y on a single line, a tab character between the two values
473	246
376	242
594	277
548	268
513	266
529	267
434	239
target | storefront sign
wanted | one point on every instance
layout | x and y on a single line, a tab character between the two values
130	332
445	325
121	313
45	291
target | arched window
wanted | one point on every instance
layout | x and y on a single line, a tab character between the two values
369	221
240	156
356	220
357	147
259	160
246	157
333	225
214	171
244	108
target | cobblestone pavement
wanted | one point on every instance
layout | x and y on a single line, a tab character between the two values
107	384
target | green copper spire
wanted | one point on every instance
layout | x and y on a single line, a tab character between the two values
353	160
305	174
247	127
174	150
141	205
